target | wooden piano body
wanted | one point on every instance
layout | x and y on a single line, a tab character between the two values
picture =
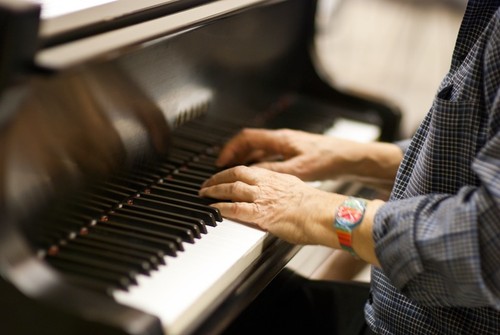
123	100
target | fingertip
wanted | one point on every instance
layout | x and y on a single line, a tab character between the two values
220	162
203	189
224	158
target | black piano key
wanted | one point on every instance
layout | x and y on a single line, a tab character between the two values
180	185
86	209
55	235
144	232
52	235
73	221
145	224
63	225
47	240
186	203
206	160
109	193
103	203
99	245
155	173
181	154
125	243
175	161
203	167
138	264
203	139
153	176
140	175
180	194
141	210
96	264
188	224
190	146
119	187
133	181
221	126
161	169
167	246
207	217
197	135
195	172
102	275
183	176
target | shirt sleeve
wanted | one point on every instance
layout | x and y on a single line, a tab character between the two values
444	249
403	144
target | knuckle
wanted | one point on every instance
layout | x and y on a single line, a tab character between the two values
237	187
239	171
236	210
246	132
287	133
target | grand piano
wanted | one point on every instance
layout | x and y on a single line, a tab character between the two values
110	119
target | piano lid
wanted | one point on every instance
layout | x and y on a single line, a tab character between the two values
100	43
63	21
53	8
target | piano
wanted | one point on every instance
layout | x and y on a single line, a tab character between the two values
110	119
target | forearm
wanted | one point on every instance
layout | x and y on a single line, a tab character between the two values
373	161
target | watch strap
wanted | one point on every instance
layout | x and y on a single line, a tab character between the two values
348	216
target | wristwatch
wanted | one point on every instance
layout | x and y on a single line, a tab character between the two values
349	215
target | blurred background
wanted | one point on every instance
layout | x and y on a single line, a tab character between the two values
398	50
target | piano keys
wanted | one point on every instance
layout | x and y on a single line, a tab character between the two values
108	133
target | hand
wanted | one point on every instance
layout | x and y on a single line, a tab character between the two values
310	156
279	203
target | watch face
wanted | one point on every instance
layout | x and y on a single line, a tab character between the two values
351	212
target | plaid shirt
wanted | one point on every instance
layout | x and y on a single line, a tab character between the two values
438	238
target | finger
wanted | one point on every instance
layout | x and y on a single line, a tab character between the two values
242	173
237	191
255	156
293	166
240	148
240	211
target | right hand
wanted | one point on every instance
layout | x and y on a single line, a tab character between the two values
305	155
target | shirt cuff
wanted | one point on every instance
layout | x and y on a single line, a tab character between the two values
393	228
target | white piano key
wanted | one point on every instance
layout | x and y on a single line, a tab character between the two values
183	291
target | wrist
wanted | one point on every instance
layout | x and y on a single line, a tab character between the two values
362	239
324	232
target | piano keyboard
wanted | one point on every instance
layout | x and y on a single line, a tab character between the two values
148	240
145	237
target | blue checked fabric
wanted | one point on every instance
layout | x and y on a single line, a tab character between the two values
438	238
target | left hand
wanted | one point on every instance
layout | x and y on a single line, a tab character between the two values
279	203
